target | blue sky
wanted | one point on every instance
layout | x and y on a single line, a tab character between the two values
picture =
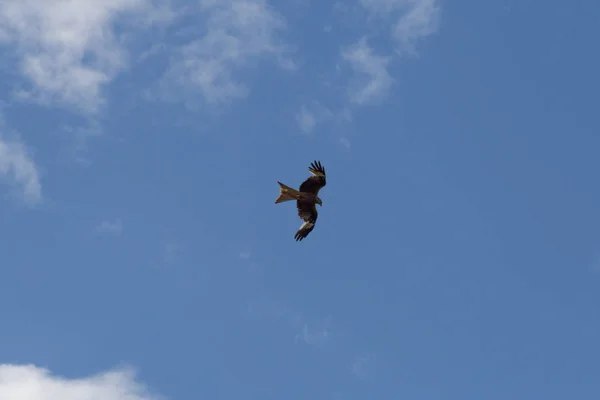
457	252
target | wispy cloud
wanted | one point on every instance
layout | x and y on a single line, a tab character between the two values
310	115
79	136
360	366
313	114
246	254
68	50
306	120
344	141
412	19
405	21
310	331
372	81
420	21
113	227
314	335
238	33
249	264
18	169
28	382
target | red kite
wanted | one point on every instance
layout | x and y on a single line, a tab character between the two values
306	198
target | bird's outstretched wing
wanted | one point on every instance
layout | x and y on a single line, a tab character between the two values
307	211
315	182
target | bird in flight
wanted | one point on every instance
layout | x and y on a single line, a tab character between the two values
306	198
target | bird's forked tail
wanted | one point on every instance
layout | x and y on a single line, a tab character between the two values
286	193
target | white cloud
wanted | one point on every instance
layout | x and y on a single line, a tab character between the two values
68	49
372	81
237	33
114	227
28	382
420	21
407	21
414	19
18	169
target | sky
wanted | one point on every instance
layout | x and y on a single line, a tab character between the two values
457	252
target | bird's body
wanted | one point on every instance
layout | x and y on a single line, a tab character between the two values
307	197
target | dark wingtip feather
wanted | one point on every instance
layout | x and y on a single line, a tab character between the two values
317	166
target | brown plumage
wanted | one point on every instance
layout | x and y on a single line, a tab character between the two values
306	198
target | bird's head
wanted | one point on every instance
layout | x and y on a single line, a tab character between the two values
319	202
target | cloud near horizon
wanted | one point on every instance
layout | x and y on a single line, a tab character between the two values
29	382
